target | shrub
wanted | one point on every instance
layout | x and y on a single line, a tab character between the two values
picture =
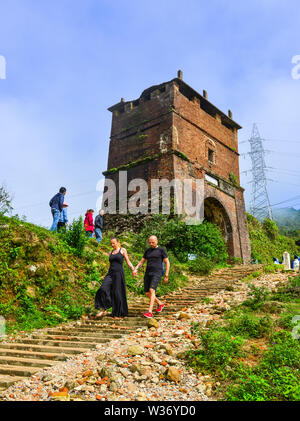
203	240
259	385
236	260
266	241
201	265
257	295
75	236
270	228
218	348
250	326
276	377
270	268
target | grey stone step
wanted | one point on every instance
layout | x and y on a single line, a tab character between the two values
31	354
31	362
125	321
43	348
58	343
94	333
79	338
18	370
6	380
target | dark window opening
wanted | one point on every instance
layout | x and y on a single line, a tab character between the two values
211	155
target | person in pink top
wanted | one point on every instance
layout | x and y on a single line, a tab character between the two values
89	223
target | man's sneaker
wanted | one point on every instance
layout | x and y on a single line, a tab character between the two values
160	308
148	315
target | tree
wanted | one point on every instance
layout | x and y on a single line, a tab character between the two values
5	201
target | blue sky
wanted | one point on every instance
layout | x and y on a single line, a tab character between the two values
69	60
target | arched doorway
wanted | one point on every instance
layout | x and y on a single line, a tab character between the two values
215	213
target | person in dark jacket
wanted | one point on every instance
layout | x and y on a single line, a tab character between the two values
99	225
63	219
89	223
56	205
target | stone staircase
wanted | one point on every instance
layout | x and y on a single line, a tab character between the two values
22	357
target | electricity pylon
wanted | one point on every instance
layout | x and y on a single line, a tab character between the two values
260	204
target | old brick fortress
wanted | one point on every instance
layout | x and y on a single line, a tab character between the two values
171	131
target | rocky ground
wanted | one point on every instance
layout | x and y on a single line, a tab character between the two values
144	366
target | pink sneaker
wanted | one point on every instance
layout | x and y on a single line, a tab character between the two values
160	308
148	315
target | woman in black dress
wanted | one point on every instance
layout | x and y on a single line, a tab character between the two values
112	292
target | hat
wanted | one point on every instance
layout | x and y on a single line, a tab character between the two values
65	205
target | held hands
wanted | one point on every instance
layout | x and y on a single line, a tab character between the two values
134	272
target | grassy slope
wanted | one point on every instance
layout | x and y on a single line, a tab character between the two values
63	286
250	351
42	283
263	247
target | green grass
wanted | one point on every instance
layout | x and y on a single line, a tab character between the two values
231	349
266	242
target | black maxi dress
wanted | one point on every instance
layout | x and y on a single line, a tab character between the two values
112	292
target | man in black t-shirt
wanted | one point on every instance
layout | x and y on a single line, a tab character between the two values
155	256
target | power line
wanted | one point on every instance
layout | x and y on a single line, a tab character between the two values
284	201
274	140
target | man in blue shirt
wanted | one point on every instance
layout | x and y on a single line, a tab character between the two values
63	218
56	204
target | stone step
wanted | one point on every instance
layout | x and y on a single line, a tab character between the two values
31	362
6	381
167	309
18	370
125	321
58	343
31	354
91	333
43	348
78	338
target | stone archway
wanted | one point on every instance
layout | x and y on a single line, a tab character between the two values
215	213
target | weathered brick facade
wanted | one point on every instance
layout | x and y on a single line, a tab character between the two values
171	132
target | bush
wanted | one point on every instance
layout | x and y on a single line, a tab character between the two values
203	240
75	236
250	326
270	228
276	377
201	265
258	385
218	348
257	295
270	268
266	241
